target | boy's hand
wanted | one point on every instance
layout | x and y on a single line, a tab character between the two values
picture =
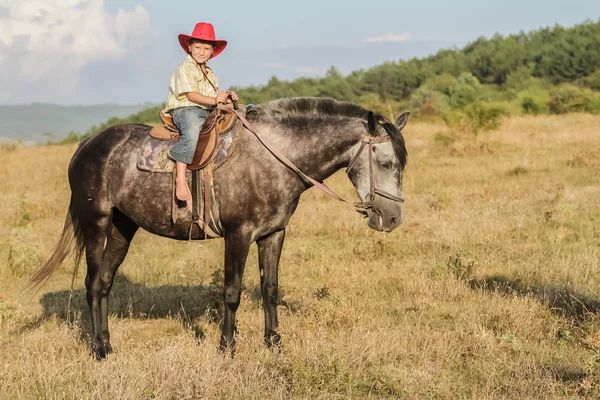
222	97
233	95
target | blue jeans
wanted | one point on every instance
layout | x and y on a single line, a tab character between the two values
189	121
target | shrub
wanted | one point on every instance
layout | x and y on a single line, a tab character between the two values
520	77
9	146
461	269
72	137
441	83
592	81
593	105
427	102
373	102
534	100
464	91
493	93
474	119
592	101
569	98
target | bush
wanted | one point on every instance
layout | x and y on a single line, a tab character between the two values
592	106
440	83
493	93
474	119
427	102
592	81
534	100
464	91
569	98
374	103
521	78
72	137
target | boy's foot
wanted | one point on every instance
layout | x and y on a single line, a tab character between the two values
182	191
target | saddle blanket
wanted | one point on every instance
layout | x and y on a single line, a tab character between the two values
154	153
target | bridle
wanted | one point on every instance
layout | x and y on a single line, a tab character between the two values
373	189
360	207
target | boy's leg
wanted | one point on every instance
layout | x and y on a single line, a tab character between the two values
182	191
189	120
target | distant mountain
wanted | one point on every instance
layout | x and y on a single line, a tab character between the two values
40	122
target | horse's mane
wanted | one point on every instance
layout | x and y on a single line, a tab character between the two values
287	109
306	106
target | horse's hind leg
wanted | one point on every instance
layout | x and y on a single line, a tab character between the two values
94	227
120	234
102	262
269	252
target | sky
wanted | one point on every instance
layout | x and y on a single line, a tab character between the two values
124	51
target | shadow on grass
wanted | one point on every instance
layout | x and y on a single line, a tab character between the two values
130	300
560	300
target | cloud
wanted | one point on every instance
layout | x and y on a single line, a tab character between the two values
48	43
390	37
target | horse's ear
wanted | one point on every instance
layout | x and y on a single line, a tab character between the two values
401	121
372	123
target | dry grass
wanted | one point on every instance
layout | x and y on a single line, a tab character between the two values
491	288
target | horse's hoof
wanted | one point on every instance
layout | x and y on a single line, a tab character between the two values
107	348
273	341
227	348
101	351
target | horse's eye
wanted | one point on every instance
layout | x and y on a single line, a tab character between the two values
385	165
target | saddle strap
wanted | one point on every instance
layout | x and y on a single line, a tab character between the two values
198	202
173	198
208	215
207	178
196	196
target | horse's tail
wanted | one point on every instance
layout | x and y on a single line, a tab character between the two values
70	241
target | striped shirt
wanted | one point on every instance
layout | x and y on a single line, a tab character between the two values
188	77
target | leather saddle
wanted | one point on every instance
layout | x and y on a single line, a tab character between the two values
221	120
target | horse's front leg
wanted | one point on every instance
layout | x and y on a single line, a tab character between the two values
269	252
236	252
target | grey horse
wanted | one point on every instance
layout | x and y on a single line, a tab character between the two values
256	194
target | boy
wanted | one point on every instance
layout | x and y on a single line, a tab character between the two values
193	92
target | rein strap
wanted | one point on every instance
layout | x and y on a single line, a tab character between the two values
360	207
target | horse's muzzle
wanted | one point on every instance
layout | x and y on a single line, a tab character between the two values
383	221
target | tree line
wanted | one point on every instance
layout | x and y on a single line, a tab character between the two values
550	70
554	69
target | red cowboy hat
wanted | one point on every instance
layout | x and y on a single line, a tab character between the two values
203	31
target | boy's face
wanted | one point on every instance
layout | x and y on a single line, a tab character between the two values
201	52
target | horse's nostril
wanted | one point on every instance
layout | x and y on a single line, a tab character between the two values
393	221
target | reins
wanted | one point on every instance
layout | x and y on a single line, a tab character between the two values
360	207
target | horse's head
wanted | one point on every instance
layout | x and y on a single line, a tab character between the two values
376	171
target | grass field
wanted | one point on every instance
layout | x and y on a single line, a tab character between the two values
489	290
